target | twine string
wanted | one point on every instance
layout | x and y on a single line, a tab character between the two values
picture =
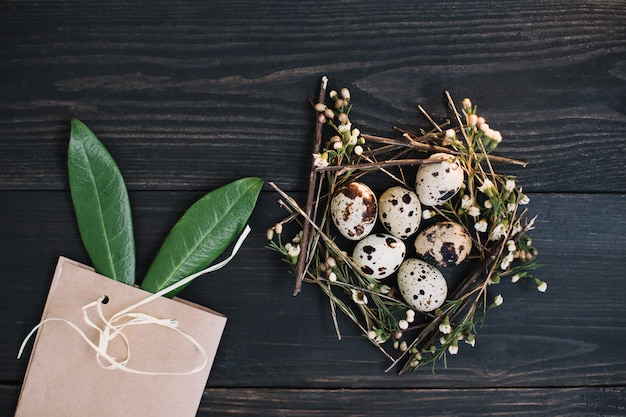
114	327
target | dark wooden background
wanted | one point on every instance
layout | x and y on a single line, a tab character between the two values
190	95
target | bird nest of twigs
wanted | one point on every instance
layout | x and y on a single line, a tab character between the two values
414	267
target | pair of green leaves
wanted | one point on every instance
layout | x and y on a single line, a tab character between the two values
105	223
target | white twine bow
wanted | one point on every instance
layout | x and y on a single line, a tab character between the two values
115	326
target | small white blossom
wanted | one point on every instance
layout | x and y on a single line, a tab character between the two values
384	289
320	160
467	202
453	349
403	324
481	226
498	232
470	340
445	328
509	257
488	132
337	145
498	300
292	250
510	246
486	186
358	297
525	200
427	214
297	238
515	278
509	185
504	265
511	207
542	287
371	334
472	120
345	127
497	136
488	204
345	93
467	103
474	211
332	277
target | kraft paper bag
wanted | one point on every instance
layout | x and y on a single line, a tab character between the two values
66	377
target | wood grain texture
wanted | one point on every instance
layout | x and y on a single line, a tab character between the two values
570	336
565	402
195	89
188	96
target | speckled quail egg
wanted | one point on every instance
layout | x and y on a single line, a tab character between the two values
438	182
422	285
400	211
354	210
379	255
443	244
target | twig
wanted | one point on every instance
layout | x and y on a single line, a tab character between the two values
300	266
435	148
379	164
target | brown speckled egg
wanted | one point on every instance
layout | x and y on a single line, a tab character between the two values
422	285
400	211
379	255
354	210
438	182
443	244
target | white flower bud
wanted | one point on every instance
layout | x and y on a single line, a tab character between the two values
498	300
509	185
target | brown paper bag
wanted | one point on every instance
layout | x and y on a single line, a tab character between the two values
64	377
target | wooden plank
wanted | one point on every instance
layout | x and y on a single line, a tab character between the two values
205	94
593	401
570	336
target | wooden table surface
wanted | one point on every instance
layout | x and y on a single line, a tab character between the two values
188	96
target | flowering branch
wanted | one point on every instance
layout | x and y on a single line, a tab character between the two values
484	207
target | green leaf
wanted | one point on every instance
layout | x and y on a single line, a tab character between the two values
206	230
101	204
